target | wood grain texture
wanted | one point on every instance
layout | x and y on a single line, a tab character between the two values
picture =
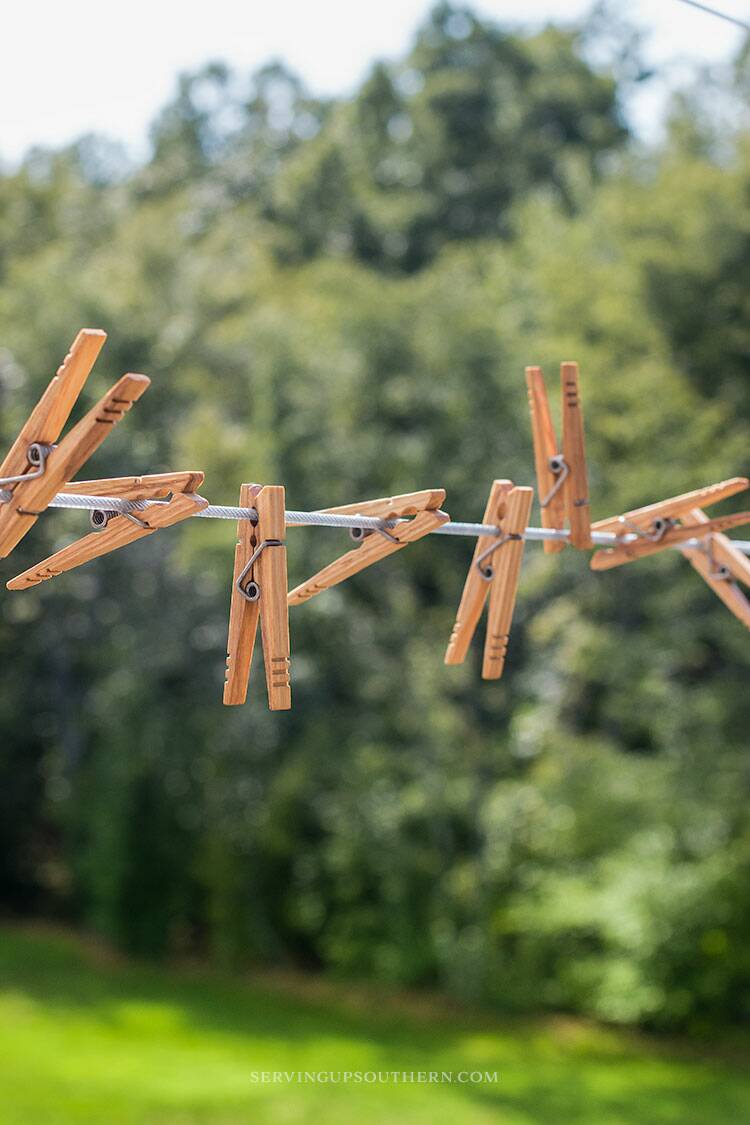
504	586
243	615
674	506
476	588
576	487
376	547
47	419
30	499
641	548
390	507
118	533
271	574
545	447
137	488
726	555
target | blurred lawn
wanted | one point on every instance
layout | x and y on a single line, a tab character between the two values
85	1037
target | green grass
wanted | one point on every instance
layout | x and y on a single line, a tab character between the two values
85	1037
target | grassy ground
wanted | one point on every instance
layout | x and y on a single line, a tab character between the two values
84	1037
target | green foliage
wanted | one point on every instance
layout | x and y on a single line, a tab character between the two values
84	1037
300	283
437	148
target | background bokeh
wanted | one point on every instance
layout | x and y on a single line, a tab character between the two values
340	294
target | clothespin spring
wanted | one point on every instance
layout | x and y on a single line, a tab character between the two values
37	455
487	572
100	517
251	591
656	532
561	470
359	534
716	571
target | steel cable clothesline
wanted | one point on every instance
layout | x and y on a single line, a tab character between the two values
351	521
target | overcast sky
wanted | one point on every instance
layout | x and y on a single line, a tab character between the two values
81	66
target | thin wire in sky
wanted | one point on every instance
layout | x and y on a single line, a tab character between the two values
718	14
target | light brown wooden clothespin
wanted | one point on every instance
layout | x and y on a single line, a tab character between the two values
172	499
548	459
35	467
722	566
259	590
149	487
562	476
424	506
508	508
662	525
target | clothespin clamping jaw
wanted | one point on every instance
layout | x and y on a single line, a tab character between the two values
36	467
375	545
160	500
259	593
656	527
562	476
495	571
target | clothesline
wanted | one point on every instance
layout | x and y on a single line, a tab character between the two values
355	522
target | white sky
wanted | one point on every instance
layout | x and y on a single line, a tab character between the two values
82	66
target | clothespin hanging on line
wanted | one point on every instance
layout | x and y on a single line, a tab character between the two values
35	468
662	525
154	486
562	476
376	545
495	571
259	590
722	566
171	497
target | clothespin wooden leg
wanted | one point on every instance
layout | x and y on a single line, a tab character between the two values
476	587
243	614
267	585
506	565
274	611
550	483
137	488
574	450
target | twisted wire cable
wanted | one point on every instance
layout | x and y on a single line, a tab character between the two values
337	520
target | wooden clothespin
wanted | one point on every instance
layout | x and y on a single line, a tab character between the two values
259	591
151	487
424	506
562	476
661	525
722	566
508	508
36	468
548	458
172	499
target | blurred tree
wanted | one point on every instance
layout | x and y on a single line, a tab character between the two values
439	147
343	297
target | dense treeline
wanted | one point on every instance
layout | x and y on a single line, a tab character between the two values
341	296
